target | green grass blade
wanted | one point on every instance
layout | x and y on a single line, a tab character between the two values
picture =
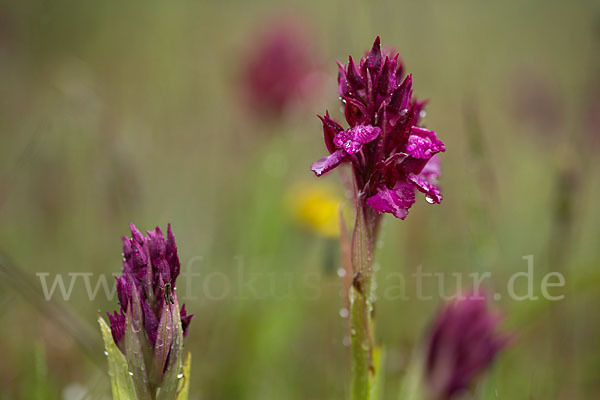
182	394
378	378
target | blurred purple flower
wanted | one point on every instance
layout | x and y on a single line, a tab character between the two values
280	70
536	102
148	325
391	155
463	343
592	118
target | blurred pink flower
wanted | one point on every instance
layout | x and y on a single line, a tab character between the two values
535	101
463	343
592	119
280	70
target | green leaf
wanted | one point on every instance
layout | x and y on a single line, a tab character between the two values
184	383
120	380
135	347
174	371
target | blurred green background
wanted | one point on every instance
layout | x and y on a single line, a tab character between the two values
116	111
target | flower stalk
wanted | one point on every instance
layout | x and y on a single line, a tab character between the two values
361	308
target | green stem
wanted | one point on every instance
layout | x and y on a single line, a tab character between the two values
361	307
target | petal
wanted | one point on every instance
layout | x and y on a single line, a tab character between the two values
354	78
432	192
150	322
396	201
423	143
123	291
328	163
330	129
353	139
136	234
344	87
374	57
399	68
185	320
386	79
432	170
135	260
355	111
171	256
400	98
158	248
117	327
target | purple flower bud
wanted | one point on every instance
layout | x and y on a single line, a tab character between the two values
117	327
149	326
388	150
463	344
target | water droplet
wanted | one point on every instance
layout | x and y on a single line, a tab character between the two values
179	376
106	353
344	312
429	199
353	332
423	113
130	373
346	341
341	272
365	345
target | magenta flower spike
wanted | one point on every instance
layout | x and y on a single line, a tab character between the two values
149	327
392	157
463	343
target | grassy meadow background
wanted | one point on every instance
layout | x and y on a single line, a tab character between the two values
116	111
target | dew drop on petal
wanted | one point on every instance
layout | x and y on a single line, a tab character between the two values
341	272
179	376
106	353
429	199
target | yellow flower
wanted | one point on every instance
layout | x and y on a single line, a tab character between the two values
315	206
